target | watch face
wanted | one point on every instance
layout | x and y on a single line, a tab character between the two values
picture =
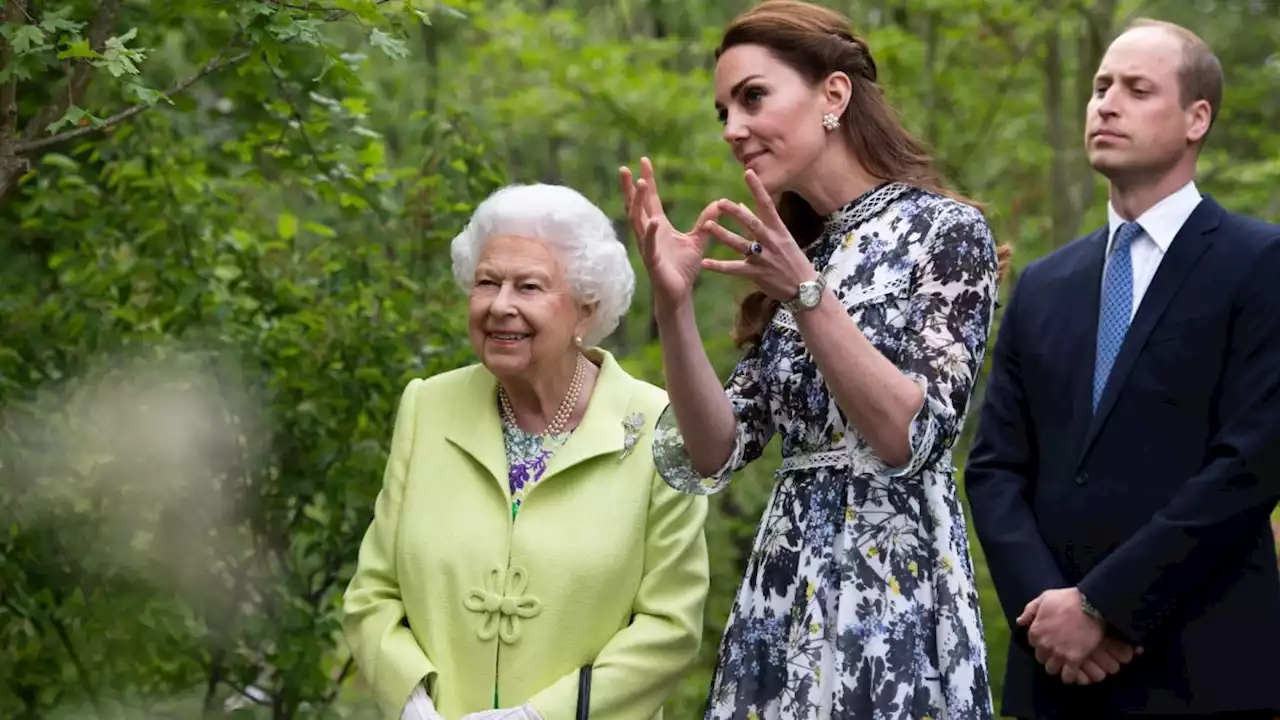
810	294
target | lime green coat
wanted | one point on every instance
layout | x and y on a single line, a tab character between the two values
604	565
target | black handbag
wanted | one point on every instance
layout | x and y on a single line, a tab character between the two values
584	693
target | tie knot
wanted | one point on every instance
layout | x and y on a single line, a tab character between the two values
1125	235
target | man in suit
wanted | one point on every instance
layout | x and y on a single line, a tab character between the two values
1127	461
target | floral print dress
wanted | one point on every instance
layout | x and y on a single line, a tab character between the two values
859	600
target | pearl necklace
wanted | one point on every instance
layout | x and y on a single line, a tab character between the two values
561	419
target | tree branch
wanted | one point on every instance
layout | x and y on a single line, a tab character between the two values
210	67
332	695
13	14
85	680
99	30
12	167
993	109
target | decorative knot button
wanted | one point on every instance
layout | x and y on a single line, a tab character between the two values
503	604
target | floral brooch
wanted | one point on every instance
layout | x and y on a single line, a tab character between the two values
631	426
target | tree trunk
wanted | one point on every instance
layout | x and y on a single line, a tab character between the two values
11	166
1059	195
1096	26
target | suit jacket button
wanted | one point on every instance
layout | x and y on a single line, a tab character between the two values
1082	478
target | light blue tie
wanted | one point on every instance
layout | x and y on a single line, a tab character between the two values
1117	306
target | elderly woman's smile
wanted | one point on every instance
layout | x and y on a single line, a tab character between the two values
524	317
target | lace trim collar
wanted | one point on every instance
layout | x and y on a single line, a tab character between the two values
865	206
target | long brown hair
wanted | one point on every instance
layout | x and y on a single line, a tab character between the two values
816	41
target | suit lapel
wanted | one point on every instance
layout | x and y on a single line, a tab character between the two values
1190	243
1084	292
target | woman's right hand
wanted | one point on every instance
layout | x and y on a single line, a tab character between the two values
672	258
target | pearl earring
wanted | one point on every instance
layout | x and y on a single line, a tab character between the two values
830	122
578	339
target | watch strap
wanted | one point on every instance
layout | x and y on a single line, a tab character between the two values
1089	609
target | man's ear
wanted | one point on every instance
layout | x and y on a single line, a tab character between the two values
1201	116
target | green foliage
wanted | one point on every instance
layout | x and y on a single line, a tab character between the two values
210	314
222	254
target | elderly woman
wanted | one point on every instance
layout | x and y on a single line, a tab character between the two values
522	532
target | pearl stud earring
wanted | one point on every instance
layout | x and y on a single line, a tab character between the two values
830	122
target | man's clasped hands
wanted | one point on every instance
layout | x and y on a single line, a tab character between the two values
1069	642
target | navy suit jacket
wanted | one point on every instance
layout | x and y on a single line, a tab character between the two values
1156	506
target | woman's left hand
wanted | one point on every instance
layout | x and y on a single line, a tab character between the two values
772	259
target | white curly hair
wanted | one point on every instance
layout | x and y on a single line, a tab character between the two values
595	261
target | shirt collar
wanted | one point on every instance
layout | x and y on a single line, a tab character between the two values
1162	222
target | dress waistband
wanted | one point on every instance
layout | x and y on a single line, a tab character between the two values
859	463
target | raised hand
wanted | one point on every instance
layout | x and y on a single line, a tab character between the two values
672	258
772	259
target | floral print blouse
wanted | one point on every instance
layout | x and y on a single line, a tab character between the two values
527	458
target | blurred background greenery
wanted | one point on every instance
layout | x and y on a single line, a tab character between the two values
223	251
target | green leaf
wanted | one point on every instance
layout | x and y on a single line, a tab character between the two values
374	154
321	230
121	60
391	46
73	116
227	272
356	106
55	21
27	38
260	8
364	9
287	225
16	69
79	49
306	30
148	95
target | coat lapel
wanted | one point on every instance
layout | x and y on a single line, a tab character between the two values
478	429
1190	243
601	431
478	432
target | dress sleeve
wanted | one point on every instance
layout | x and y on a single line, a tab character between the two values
373	616
755	430
947	325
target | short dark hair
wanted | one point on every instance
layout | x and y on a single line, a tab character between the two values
1200	74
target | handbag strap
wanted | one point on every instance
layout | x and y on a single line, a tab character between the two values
584	693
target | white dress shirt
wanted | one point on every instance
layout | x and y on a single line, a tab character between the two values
1160	225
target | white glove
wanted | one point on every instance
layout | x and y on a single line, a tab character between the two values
524	712
420	706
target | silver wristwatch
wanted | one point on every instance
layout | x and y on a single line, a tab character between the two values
1089	609
808	296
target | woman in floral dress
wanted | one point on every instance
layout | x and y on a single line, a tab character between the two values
875	293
